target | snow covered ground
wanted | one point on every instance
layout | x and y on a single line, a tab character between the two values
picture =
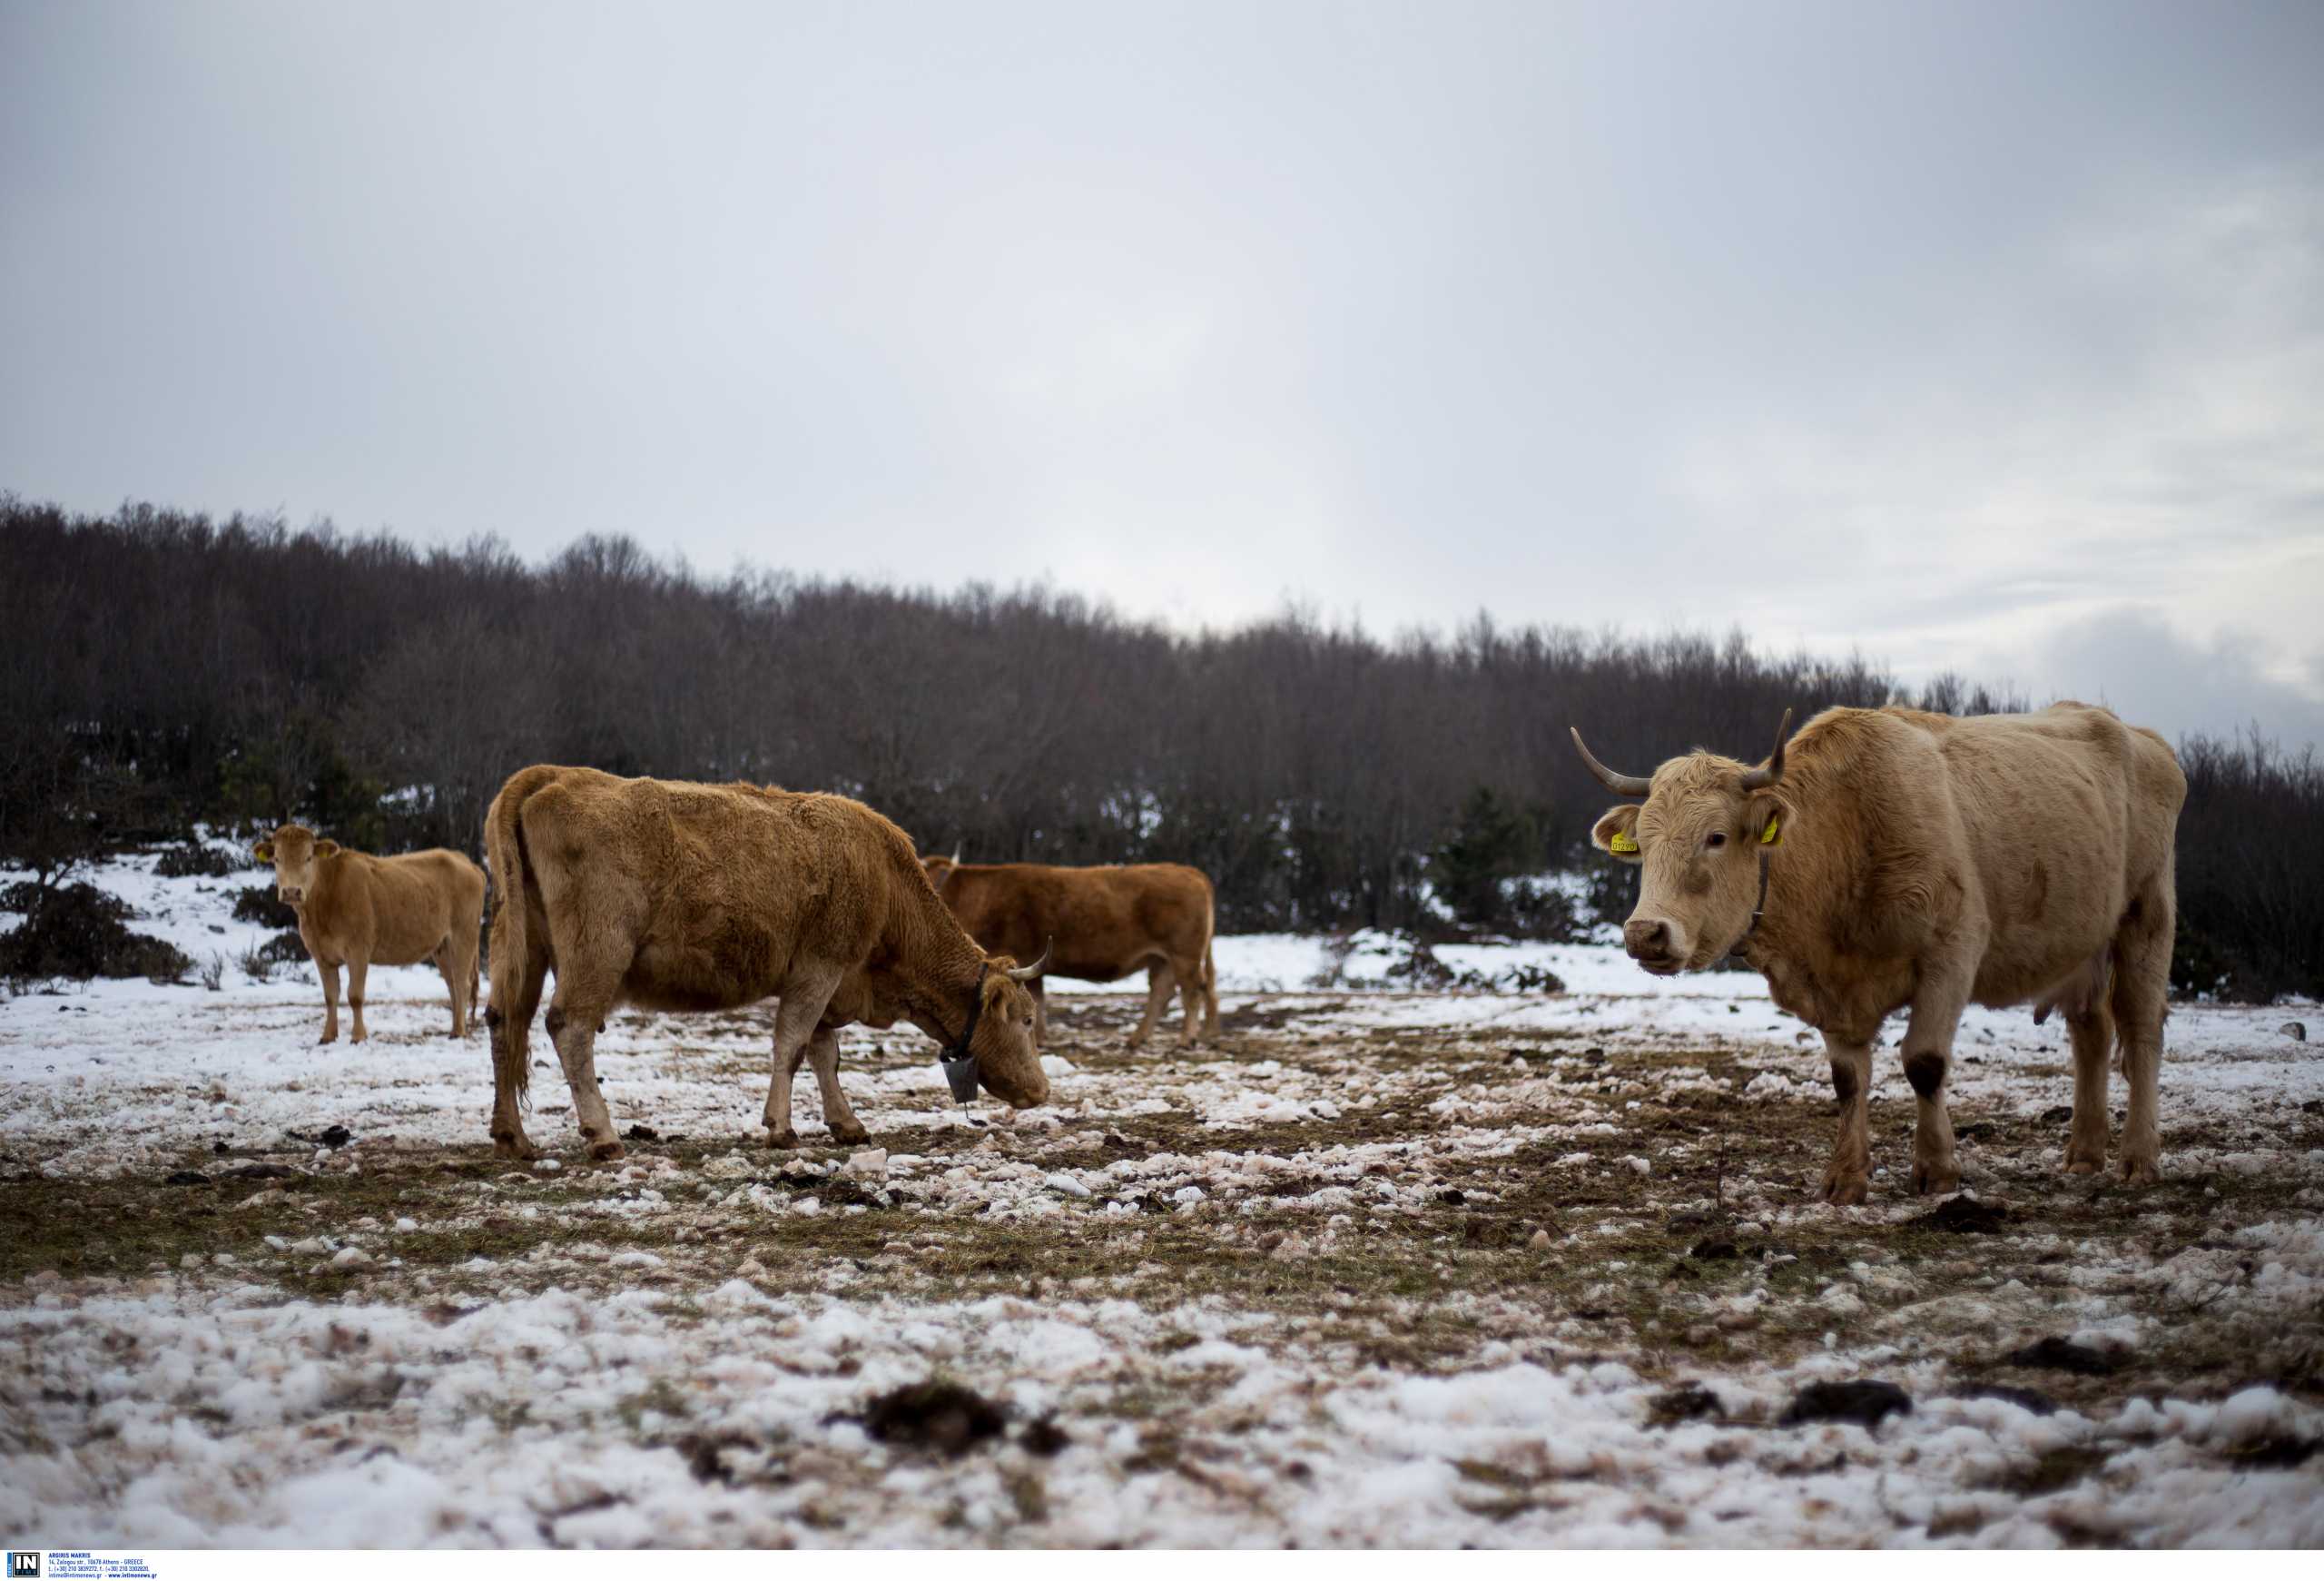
1383	1267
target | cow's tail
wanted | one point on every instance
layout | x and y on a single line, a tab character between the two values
504	854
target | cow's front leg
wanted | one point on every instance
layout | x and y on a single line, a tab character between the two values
1928	1064
823	1052
356	966
803	1001
1848	1179
328	971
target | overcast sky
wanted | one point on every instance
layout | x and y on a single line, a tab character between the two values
1988	336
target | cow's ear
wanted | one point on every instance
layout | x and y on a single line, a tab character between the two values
996	982
1767	820
264	850
1616	834
326	847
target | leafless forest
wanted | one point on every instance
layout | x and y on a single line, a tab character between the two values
160	668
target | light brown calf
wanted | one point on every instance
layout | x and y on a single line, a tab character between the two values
1099	924
362	911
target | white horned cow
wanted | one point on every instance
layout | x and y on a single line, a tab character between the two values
361	912
694	897
1889	859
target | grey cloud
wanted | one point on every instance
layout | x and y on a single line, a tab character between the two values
2134	661
1915	328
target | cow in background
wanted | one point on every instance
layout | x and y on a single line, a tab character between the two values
364	910
1096	924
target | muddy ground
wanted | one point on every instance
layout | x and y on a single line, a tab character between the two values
1374	1269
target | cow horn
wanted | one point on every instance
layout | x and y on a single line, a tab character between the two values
955	855
1026	974
1621	785
1761	778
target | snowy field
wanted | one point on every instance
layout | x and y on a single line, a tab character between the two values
1481	1266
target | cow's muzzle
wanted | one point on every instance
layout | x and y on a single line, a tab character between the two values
1653	944
293	896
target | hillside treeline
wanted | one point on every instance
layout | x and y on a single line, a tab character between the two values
159	668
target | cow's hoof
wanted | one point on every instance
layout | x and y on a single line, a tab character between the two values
784	1138
2077	1166
852	1135
362	1037
607	1151
1929	1181
1845	1190
2139	1172
518	1148
328	1037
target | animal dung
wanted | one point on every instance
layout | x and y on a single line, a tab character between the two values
1686	1403
948	1419
1867	1402
1965	1216
2064	1356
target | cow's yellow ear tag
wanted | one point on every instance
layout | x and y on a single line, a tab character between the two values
1621	843
1775	826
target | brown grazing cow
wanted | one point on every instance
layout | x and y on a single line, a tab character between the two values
690	897
386	911
1096	924
1887	859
